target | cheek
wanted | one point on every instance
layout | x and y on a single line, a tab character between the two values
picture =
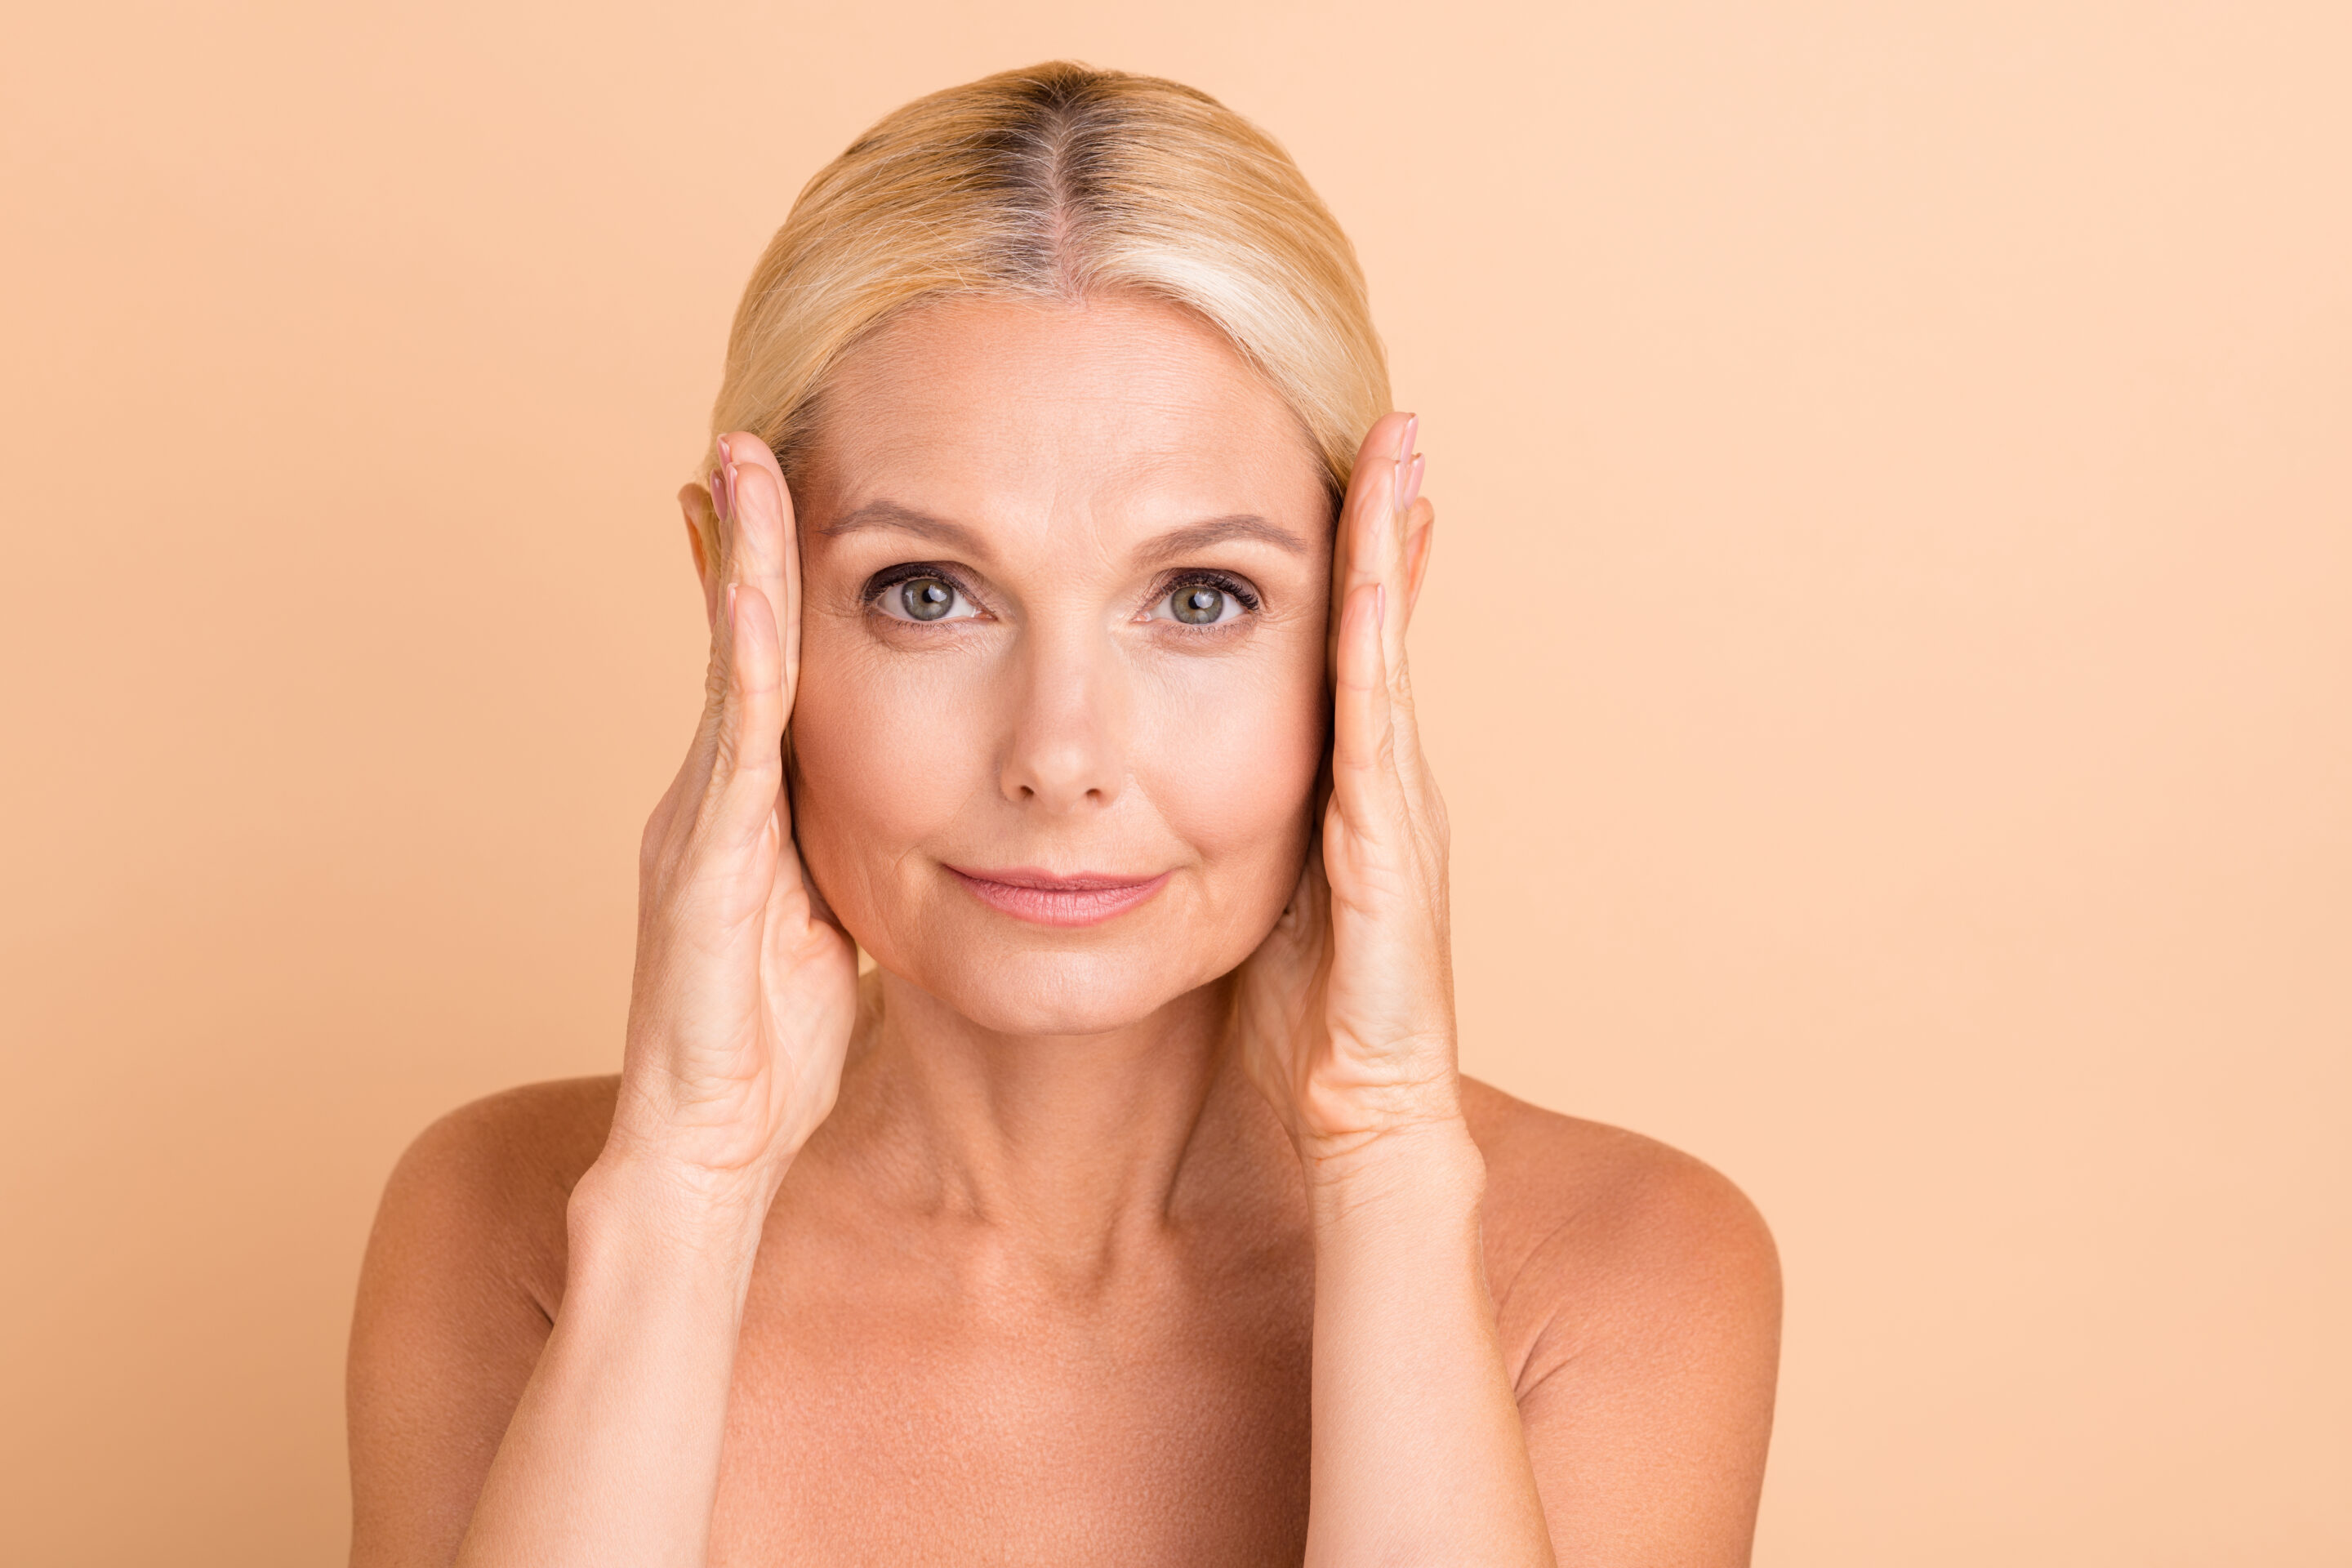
885	752
1230	757
895	761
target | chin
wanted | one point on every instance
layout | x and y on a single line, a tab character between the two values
1024	986
1058	994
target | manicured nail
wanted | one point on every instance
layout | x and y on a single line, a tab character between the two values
718	493
1404	442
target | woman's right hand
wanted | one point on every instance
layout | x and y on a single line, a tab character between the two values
740	1017
745	989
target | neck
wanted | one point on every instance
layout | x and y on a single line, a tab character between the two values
1073	1145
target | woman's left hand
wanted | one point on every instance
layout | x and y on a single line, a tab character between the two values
1346	1011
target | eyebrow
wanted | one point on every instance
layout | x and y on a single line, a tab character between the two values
889	514
1218	531
1176	541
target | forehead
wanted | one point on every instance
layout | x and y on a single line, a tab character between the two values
1119	414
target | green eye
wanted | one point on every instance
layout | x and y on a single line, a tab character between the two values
926	598
1199	604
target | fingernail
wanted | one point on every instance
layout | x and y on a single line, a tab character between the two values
1404	442
719	492
1411	484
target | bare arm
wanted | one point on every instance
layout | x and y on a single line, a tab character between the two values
739	1013
1640	1413
1629	1439
1346	1026
1419	1455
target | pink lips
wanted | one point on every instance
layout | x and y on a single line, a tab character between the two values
1047	900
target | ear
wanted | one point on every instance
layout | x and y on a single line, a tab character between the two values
702	539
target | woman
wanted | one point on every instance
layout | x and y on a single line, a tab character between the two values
1131	1209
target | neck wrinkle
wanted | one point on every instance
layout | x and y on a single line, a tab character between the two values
1074	1146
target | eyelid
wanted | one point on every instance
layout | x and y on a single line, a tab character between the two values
1235	586
1232	586
870	596
889	577
1225	581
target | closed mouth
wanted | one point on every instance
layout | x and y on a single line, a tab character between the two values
1042	898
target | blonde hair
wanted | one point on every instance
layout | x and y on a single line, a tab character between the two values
1057	182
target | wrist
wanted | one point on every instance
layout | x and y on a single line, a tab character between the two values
1420	1173
640	1210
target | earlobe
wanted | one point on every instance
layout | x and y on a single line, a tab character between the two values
701	539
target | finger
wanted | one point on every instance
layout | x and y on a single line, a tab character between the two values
1368	511
1416	531
680	807
715	556
1387	549
1384	518
698	506
1385	543
749	522
747	762
1420	540
768	551
745	551
1364	782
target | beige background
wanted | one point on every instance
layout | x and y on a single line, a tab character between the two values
1890	658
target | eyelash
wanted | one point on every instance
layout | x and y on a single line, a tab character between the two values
1200	577
890	577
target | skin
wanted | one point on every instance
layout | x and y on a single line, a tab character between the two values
1173	1237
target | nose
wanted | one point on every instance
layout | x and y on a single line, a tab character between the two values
1066	744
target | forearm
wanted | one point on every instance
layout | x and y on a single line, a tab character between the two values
612	1457
1418	1452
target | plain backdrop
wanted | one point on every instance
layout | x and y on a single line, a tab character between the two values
1889	657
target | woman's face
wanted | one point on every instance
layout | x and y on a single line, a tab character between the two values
1061	706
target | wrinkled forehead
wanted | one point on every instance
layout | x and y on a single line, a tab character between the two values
1096	423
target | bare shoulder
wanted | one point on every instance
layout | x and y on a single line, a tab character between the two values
1637	1295
464	1272
501	1169
540	1132
1589	1223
